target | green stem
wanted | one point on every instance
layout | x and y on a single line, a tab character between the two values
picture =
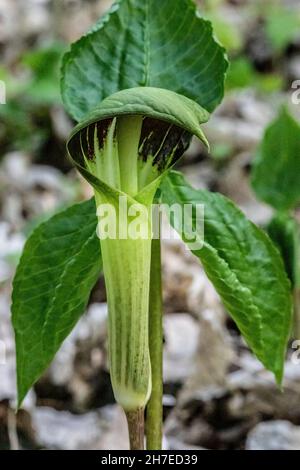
154	407
296	275
135	421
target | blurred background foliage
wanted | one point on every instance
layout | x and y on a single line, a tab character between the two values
31	93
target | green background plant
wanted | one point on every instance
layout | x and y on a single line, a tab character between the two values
276	181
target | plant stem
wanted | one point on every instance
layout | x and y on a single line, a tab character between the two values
154	407
136	421
296	276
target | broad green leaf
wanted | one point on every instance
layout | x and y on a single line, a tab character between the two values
154	43
60	265
276	171
245	268
285	232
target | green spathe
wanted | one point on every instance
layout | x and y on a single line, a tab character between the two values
123	148
126	265
155	125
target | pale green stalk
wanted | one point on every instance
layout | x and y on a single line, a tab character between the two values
155	407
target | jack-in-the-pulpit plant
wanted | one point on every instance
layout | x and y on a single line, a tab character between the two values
123	149
141	83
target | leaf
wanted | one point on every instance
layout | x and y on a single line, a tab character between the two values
276	171
162	44
245	268
284	230
60	265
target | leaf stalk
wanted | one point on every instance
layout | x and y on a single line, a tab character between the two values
155	407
